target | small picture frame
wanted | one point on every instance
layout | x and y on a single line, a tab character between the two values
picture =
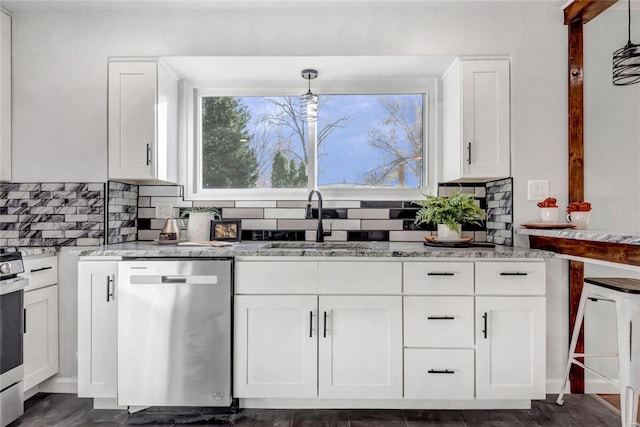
226	230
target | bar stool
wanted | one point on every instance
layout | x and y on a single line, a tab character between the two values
625	293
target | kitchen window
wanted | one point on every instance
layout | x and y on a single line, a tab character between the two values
270	144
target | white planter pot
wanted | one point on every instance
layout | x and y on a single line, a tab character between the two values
445	233
198	226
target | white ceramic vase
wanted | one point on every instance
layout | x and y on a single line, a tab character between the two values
445	233
198	226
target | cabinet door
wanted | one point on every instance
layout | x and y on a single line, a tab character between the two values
97	329
5	97
360	350
510	345
485	118
276	345
132	120
40	335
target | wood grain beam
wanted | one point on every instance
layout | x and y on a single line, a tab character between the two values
576	113
576	282
620	253
585	10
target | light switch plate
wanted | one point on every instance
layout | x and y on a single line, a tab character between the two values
537	189
164	210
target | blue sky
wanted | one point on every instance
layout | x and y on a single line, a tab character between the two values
346	155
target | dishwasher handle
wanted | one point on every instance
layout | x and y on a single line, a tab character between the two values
173	279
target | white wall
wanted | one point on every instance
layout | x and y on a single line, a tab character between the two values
60	77
612	164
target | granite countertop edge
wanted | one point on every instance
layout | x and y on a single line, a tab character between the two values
605	236
253	249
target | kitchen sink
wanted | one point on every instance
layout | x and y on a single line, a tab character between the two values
320	245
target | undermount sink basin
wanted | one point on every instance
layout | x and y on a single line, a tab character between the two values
319	245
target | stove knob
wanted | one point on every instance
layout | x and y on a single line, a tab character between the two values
5	268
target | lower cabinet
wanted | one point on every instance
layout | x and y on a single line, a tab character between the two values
40	335
276	346
291	346
97	329
510	347
438	373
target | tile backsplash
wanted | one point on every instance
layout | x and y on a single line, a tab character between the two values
285	219
52	214
500	212
122	212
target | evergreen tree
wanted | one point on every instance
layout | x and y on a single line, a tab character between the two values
287	174
227	159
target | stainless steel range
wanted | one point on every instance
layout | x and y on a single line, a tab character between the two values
11	330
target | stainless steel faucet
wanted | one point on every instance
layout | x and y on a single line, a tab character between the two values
320	233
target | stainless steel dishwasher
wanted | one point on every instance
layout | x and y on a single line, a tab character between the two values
174	332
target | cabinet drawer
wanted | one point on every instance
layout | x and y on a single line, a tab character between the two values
366	277
41	272
276	277
438	278
438	321
438	374
510	278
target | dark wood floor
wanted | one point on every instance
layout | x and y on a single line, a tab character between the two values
65	410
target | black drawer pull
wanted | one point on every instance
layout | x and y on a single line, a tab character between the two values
324	333
440	274
440	318
514	274
24	320
485	317
35	270
310	324
439	371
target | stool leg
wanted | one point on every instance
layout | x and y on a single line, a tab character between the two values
574	341
628	361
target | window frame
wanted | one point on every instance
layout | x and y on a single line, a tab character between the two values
191	166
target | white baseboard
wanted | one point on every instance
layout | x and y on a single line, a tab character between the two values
60	385
591	386
314	403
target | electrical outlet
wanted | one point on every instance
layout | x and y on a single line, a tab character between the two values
164	209
537	190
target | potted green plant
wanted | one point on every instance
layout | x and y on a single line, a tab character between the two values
449	213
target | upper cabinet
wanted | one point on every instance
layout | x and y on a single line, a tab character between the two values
476	120
143	98
5	96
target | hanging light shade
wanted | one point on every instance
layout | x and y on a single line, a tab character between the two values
626	61
310	98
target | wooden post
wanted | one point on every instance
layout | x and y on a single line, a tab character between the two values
576	181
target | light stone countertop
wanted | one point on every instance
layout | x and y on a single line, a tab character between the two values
36	250
246	249
606	236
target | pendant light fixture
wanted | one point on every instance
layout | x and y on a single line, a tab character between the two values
626	61
310	98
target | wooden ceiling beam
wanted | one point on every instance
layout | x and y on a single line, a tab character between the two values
585	10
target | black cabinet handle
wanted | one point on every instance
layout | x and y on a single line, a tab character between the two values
440	274
440	318
310	323
109	288
35	270
484	331
514	274
440	371
24	320
469	150
148	154
324	334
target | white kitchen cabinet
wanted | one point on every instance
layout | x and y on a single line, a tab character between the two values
510	347
40	335
97	329
276	346
438	373
5	96
476	115
41	359
360	351
142	123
